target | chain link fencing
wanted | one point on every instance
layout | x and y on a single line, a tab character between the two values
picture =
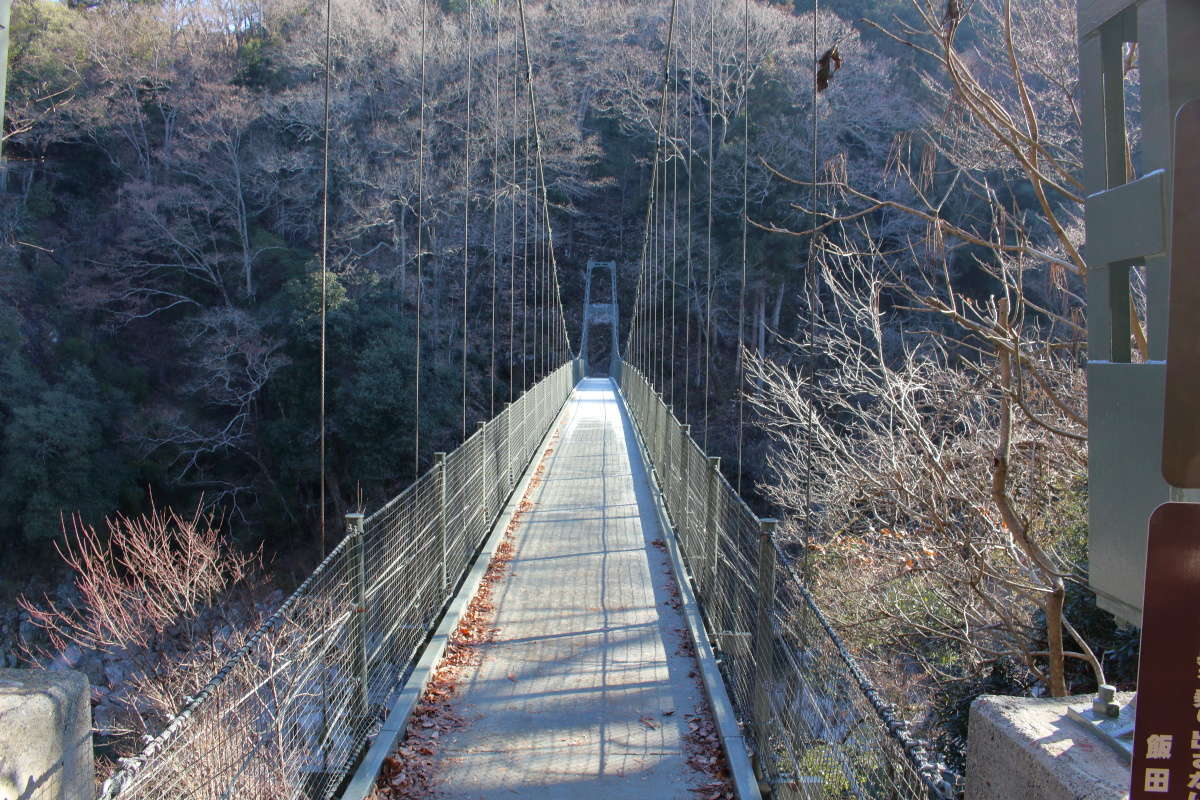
290	711
816	725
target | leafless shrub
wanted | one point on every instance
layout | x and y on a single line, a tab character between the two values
952	425
169	604
932	475
147	574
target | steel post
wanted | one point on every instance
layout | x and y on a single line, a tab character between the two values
660	416
683	509
764	644
358	631
439	460
487	470
712	530
666	456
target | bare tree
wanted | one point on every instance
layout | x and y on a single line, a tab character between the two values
999	366
913	466
231	360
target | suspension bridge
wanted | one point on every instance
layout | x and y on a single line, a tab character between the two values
641	591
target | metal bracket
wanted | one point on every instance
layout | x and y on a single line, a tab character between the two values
1116	732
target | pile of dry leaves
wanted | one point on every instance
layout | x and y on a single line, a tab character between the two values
703	744
408	773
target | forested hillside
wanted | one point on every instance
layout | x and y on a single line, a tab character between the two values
162	226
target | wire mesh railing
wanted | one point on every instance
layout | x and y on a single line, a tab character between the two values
817	727
291	710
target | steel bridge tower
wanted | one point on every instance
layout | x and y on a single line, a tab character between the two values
600	314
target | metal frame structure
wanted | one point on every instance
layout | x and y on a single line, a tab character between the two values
600	314
1128	225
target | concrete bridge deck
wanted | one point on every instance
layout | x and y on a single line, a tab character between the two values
587	689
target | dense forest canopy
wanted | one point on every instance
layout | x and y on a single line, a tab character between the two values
162	223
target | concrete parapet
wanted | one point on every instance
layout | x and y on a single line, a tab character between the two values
45	735
1027	748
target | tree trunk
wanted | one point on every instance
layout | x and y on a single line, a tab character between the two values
1052	607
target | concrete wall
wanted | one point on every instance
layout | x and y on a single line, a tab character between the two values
45	735
1021	748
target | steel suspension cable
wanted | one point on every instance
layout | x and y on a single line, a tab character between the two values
420	253
674	226
538	299
687	295
495	212
708	248
661	307
652	276
525	269
535	245
543	313
652	272
813	299
541	167
635	330
512	261
467	212
741	355
324	264
649	243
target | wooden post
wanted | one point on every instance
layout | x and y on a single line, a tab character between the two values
764	642
439	459
362	698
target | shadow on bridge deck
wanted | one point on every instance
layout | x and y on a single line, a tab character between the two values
587	689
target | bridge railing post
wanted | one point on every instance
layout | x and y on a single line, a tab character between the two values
665	454
648	417
664	450
647	409
504	452
682	490
764	643
651	422
656	423
645	404
487	471
712	532
643	393
358	630
439	459
635	393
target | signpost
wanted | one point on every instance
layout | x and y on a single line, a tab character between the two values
1166	749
